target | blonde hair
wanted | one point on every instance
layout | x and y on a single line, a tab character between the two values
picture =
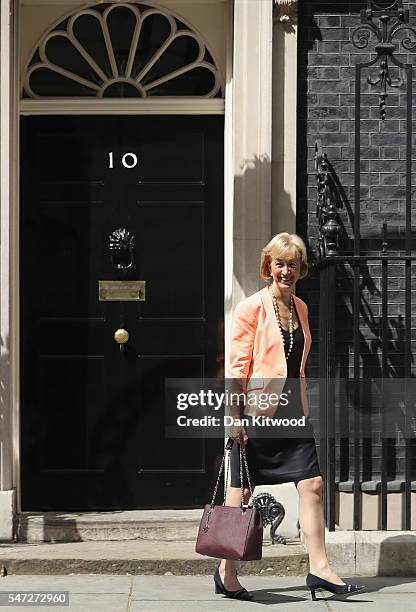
280	245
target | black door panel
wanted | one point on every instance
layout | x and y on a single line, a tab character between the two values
92	414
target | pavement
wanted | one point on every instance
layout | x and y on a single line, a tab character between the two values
114	593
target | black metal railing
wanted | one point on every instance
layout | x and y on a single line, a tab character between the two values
378	263
330	349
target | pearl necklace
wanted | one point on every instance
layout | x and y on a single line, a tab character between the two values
276	310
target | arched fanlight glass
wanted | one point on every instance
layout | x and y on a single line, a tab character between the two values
121	51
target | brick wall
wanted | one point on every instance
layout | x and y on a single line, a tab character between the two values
326	110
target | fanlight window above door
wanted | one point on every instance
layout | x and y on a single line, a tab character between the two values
121	51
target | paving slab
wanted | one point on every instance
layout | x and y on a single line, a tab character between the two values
176	587
191	593
374	604
79	584
229	606
82	603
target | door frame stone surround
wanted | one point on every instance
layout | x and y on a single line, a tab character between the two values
247	108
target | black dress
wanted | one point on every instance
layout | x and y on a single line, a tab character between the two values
280	459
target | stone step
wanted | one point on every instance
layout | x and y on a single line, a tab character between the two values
370	553
169	525
161	525
148	557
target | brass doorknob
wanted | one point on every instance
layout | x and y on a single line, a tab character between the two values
121	336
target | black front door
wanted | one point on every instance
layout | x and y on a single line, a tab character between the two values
92	410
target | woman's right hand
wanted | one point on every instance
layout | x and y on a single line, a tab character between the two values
235	431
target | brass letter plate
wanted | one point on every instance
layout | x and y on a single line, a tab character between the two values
121	291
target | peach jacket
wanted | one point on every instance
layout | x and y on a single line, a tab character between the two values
256	349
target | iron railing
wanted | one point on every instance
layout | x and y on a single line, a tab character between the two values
362	264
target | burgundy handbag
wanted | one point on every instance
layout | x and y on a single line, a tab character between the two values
228	532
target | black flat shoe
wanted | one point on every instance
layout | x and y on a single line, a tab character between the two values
314	582
220	588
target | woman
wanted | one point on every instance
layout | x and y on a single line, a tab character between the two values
270	339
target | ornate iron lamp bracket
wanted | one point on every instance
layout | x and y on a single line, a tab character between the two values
285	11
329	228
393	19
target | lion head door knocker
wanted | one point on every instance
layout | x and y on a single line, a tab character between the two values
273	514
121	249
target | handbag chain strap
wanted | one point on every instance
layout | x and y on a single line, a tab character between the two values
228	448
218	480
243	454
